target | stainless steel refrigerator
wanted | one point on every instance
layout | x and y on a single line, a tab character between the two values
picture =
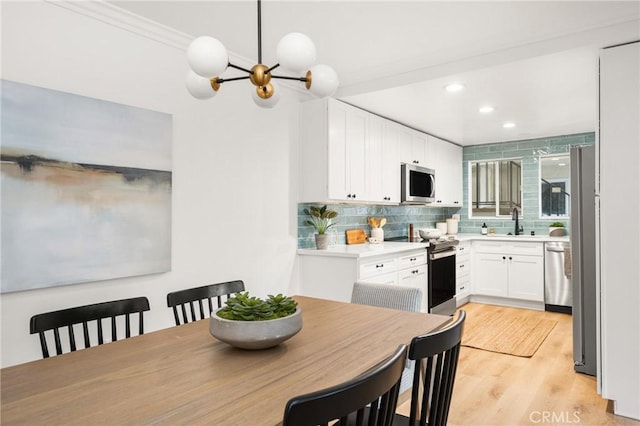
583	258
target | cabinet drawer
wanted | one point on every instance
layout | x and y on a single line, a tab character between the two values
489	247
412	272
527	249
388	279
384	266
414	259
463	268
463	249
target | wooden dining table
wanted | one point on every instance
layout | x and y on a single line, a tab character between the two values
183	375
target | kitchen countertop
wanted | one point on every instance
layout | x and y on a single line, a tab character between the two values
364	250
391	247
504	237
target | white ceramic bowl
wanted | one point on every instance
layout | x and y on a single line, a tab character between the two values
430	233
255	334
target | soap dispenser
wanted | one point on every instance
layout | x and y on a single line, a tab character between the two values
484	229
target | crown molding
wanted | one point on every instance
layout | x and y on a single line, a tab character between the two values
110	14
128	21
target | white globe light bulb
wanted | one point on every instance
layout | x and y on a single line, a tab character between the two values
269	102
207	56
324	80
199	87
296	52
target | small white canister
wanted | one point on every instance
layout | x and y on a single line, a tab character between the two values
378	234
452	226
442	227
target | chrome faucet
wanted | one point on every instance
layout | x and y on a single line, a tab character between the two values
514	216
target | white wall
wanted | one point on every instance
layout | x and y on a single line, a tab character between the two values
234	167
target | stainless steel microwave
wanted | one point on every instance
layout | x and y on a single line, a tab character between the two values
418	184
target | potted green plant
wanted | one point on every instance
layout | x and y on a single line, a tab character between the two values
556	229
252	323
321	220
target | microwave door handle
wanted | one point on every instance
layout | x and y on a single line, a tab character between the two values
433	185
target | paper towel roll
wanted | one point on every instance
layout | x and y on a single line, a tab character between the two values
452	226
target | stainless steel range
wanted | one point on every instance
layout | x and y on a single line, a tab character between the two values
441	266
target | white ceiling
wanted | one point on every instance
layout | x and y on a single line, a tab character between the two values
535	62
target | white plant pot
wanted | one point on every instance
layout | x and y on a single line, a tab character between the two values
255	334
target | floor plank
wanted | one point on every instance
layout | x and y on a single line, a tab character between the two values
499	389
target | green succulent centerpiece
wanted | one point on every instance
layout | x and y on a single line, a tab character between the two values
321	220
242	307
252	323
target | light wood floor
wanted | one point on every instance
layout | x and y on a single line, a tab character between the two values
499	389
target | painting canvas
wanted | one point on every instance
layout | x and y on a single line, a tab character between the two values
86	189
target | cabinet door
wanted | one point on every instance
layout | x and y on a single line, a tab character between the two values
390	165
448	173
526	277
338	185
490	274
405	153
416	277
377	162
419	148
347	153
357	154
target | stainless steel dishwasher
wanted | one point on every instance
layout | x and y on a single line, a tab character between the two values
558	294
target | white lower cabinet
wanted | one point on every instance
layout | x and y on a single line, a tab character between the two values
509	270
463	273
332	277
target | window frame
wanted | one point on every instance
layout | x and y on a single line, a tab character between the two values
496	166
567	180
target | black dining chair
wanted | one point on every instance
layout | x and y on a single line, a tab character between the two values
180	300
369	398
57	321
436	354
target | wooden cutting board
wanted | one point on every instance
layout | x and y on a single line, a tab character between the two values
355	236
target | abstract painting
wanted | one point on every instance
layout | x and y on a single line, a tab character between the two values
86	189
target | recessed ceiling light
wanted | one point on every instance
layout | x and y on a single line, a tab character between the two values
509	125
486	109
454	87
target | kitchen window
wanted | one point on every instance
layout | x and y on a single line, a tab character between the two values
495	187
555	188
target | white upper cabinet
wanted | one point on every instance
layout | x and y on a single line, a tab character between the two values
383	166
333	152
348	154
448	158
415	147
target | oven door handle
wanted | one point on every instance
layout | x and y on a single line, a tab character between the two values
442	254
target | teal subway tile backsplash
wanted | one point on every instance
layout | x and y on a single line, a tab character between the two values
399	217
355	217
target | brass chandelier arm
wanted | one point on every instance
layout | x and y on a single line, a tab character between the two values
240	68
223	80
284	77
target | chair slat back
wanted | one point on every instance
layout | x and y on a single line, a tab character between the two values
370	398
190	304
437	355
67	318
387	296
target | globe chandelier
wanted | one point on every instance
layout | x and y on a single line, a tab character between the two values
208	59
